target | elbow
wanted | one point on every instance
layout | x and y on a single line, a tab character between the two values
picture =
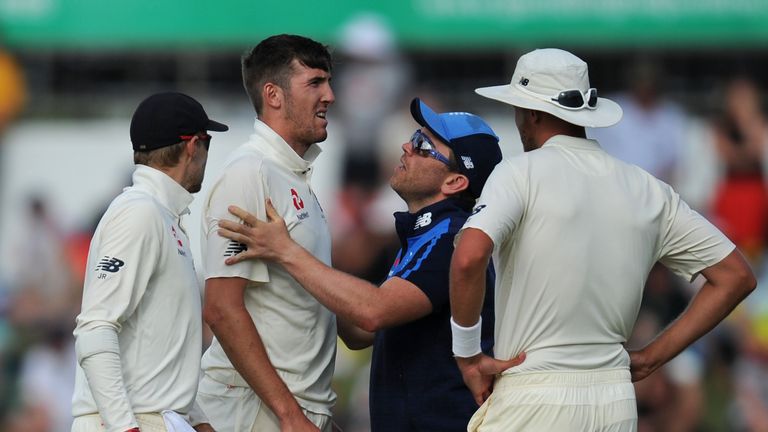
460	264
467	260
371	314
464	264
747	281
212	315
370	322
355	345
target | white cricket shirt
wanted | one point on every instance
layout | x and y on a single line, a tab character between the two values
576	233
141	282
298	333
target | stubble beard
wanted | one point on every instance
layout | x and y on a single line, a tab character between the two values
304	132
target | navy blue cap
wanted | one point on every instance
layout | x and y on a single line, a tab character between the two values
474	144
161	119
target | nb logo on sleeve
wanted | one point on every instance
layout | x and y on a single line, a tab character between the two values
477	209
234	248
109	264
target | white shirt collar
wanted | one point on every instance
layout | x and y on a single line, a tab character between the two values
572	142
269	142
166	190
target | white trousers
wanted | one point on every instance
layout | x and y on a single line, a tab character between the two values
92	423
238	409
591	401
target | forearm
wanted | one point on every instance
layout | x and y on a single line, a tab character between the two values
353	336
710	306
99	355
467	291
241	342
352	299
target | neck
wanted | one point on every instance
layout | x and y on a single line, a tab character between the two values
176	173
417	205
561	128
283	129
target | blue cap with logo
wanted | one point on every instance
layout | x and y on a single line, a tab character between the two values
474	144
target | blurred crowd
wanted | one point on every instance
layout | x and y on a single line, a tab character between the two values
717	162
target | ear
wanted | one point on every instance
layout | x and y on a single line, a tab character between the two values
272	95
536	116
454	184
191	148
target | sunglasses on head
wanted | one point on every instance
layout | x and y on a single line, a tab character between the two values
568	99
205	139
422	144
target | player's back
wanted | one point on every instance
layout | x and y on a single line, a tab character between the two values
572	272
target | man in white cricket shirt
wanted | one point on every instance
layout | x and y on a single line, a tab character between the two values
139	334
271	362
576	232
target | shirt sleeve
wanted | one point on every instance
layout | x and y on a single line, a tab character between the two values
103	370
502	203
243	185
689	242
122	260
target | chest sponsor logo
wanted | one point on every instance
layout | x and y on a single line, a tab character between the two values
109	264
298	203
423	220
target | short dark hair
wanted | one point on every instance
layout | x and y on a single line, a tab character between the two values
271	61
164	157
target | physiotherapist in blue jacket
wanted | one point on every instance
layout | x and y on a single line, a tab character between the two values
415	383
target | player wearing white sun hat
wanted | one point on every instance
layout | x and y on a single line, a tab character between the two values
576	232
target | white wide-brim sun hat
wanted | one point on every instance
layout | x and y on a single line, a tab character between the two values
541	75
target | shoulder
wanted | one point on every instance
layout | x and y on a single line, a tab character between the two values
136	203
245	170
443	230
133	210
455	220
244	161
515	165
510	173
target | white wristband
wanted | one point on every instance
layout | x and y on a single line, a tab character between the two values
466	340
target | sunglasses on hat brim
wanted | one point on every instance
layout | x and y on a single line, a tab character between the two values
568	99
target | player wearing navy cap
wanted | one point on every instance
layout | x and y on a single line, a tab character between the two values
139	364
415	384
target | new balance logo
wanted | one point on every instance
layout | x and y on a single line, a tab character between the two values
467	162
477	209
109	264
423	220
234	248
